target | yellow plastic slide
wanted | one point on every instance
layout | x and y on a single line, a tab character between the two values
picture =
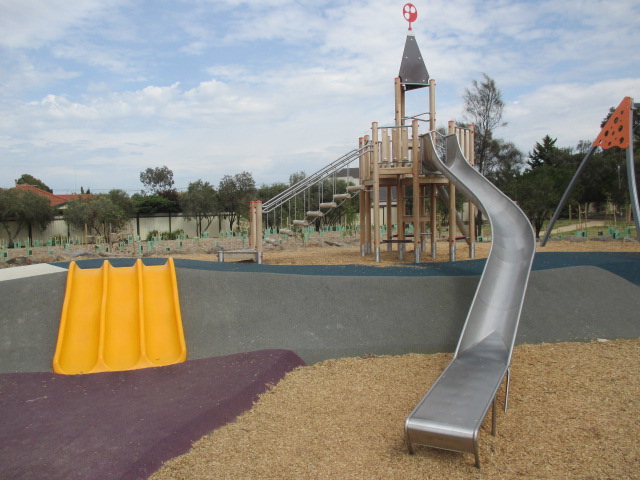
120	319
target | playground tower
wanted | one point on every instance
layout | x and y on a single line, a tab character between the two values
394	165
397	165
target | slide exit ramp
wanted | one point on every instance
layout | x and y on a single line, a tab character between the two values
122	318
451	413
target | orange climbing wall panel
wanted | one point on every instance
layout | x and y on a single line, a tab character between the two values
120	319
616	132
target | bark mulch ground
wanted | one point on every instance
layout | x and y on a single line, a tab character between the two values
573	413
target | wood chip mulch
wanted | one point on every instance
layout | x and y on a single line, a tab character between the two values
573	413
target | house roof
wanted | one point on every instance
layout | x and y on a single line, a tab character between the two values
54	200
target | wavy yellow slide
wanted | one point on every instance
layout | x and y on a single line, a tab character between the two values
122	318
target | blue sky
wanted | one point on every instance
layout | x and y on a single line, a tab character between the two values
93	92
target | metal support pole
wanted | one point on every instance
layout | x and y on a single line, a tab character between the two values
566	195
631	176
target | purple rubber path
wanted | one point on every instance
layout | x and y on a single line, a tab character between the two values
124	425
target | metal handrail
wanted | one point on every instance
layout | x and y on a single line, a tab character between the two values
313	179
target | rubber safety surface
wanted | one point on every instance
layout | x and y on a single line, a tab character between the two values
124	425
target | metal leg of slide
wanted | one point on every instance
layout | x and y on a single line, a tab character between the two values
506	393
494	419
434	251
416	254
476	453
377	254
566	195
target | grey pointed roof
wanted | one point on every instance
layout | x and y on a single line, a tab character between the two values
413	72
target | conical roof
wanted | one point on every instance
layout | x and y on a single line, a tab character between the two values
413	72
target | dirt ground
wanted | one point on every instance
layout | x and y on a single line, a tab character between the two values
328	249
573	407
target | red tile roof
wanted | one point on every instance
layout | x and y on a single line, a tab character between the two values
54	200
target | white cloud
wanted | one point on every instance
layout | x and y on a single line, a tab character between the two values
106	89
568	112
33	23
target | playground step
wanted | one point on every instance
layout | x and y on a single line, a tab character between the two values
341	196
315	214
328	205
300	223
355	188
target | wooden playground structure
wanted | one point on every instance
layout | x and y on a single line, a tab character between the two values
393	164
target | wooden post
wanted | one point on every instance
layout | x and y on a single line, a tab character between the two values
433	199
452	209
432	193
399	97
376	191
362	173
415	157
400	207
472	208
258	209
386	156
252	224
389	218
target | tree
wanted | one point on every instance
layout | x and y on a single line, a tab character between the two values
543	153
150	204
200	202
296	177
122	200
25	209
537	191
26	179
504	163
100	214
235	193
157	180
483	106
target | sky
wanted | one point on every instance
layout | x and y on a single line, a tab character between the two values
93	92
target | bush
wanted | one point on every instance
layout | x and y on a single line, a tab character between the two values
171	235
152	234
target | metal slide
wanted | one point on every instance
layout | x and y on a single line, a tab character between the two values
119	319
451	413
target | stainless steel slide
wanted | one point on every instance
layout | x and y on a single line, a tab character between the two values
451	413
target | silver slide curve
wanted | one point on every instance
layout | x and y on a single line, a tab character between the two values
451	413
